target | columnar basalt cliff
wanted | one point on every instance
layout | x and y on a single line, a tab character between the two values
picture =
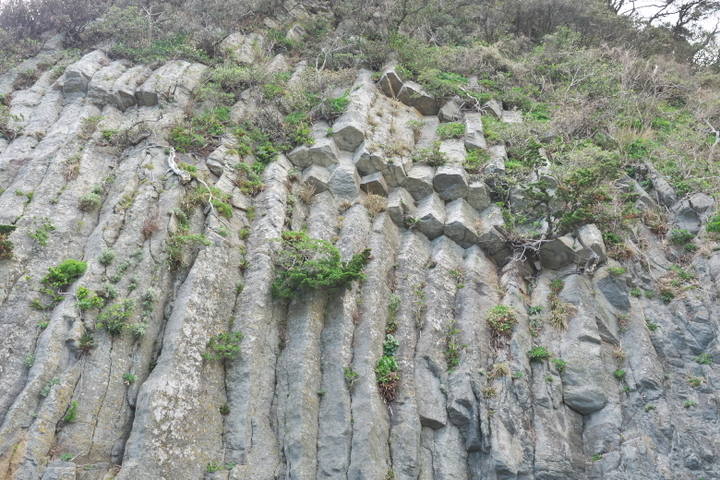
477	346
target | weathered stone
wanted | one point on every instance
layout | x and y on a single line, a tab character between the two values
512	116
431	215
590	237
451	182
474	134
454	151
278	64
701	202
323	152
296	33
317	176
460	223
174	81
558	253
613	288
300	157
345	182
78	75
401	206
478	195
413	95
59	470
495	108
664	192
686	218
419	181
390	82
220	158
375	184
101	87
349	129
125	86
498	157
431	403
244	49
491	235
451	112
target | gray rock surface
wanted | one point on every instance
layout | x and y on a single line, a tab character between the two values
413	95
451	182
301	400
474	133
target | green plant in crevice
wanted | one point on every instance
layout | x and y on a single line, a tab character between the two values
129	378
107	256
41	234
223	346
501	320
431	155
704	359
87	300
386	369
6	246
114	318
538	354
450	130
452	350
351	376
71	413
560	364
306	263
619	374
393	307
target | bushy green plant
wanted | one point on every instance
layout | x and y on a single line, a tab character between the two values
450	130
107	256
619	374
71	413
306	263
560	364
6	246
87	299
680	237
501	320
89	202
431	155
64	274
42	232
223	346
539	354
704	359
114	317
129	378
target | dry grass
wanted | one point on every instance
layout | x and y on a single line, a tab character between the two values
375	204
306	192
619	354
560	312
500	370
151	224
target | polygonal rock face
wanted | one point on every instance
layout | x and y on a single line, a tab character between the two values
474	135
478	195
583	398
413	95
100	88
590	237
665	193
300	157
390	83
685	217
419	181
557	253
494	108
375	184
460	223
701	202
450	112
450	182
243	48
78	75
323	152
317	176
490	234
345	182
512	116
173	81
401	206
431	213
126	85
496	165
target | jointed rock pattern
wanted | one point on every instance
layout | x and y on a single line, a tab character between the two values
301	400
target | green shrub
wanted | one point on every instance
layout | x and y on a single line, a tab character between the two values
450	130
431	155
71	412
386	370
617	271
87	300
680	237
619	374
223	346
713	224
129	378
560	364
539	354
6	246
107	256
475	160
114	317
306	263
704	359
64	274
501	320
42	232
557	286
89	202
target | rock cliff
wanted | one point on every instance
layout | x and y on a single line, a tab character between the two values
514	360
